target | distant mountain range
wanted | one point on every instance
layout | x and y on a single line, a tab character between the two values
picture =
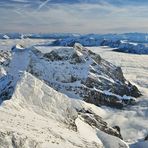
134	37
129	42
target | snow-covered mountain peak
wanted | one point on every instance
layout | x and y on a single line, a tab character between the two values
76	54
80	48
83	52
76	72
80	73
18	47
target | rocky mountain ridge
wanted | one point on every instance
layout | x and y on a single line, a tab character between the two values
76	72
34	115
83	74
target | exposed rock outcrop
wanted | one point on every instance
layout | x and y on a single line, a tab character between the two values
146	138
96	121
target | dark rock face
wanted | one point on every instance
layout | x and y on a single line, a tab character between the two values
52	56
5	80
5	57
119	131
111	43
99	98
81	72
146	138
96	121
6	87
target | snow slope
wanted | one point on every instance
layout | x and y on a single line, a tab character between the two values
38	116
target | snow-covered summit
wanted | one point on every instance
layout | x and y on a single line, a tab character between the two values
76	72
80	73
18	47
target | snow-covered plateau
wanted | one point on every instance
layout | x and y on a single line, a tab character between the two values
71	97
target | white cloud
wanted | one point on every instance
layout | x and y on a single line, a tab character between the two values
83	18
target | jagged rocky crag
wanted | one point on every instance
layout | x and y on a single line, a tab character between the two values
81	73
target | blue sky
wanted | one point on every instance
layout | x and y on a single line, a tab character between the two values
78	16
